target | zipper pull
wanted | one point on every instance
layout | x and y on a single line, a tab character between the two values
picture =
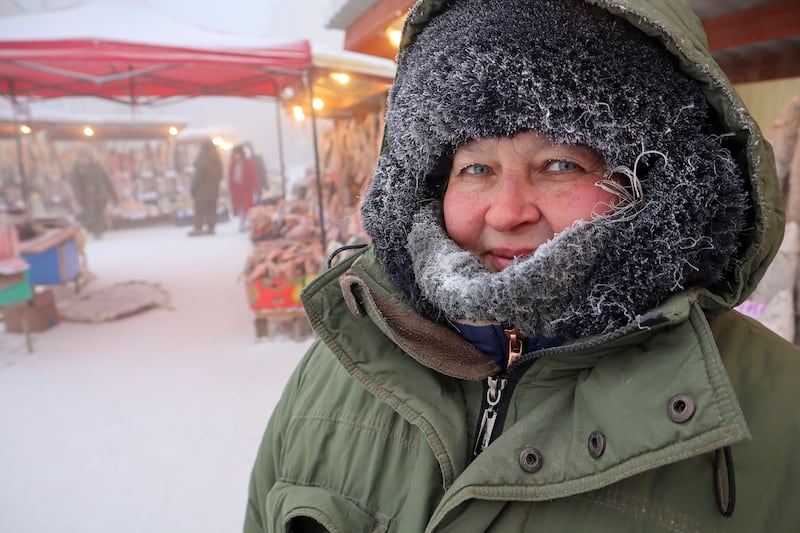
515	345
493	394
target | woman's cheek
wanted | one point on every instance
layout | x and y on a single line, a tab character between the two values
462	218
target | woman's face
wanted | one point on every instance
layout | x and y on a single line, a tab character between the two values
507	196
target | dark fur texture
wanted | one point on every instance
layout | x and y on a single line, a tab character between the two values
490	68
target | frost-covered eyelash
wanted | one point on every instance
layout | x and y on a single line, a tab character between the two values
465	167
547	164
569	161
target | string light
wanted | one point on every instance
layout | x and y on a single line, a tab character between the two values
394	36
340	77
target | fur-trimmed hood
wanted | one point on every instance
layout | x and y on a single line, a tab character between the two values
704	211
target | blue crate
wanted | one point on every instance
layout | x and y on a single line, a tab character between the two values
55	265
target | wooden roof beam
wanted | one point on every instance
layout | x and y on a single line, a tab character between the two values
366	34
775	64
766	22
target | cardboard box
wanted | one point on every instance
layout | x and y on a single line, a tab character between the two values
41	313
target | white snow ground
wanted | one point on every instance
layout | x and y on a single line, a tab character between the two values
149	423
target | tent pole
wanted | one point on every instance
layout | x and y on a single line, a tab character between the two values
18	140
278	106
132	89
310	82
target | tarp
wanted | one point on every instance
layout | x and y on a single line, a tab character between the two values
131	72
127	52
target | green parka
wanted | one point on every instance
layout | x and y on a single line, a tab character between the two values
635	430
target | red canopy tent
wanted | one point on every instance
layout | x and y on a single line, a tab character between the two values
126	52
135	73
138	74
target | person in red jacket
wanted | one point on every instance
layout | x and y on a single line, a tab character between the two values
242	184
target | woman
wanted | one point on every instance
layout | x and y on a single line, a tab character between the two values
541	335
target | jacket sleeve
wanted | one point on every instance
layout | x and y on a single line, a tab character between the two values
267	467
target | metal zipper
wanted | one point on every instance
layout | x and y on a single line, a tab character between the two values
515	345
494	393
499	389
493	411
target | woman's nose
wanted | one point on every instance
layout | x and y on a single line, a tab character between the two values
512	204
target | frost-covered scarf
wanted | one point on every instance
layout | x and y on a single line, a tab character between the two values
571	71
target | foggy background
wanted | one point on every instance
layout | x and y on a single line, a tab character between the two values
238	119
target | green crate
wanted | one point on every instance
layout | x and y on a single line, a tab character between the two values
17	292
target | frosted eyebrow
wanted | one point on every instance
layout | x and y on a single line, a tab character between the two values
469	151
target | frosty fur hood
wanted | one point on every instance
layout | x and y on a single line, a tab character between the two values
704	212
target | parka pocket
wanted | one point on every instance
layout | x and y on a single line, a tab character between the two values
302	509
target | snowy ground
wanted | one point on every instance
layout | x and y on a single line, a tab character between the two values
148	423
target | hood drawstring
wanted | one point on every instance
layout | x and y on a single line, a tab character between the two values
341	249
726	509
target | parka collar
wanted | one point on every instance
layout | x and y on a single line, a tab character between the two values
368	293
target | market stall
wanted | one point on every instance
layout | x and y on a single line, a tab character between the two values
68	54
148	162
287	239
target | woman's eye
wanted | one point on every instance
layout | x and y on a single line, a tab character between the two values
476	169
561	166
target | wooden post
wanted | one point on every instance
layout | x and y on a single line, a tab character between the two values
278	107
310	83
20	162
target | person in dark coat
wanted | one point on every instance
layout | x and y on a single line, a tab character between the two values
205	188
92	189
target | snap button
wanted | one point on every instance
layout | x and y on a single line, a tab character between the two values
597	444
530	460
680	408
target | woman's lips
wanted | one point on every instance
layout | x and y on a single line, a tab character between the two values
502	257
